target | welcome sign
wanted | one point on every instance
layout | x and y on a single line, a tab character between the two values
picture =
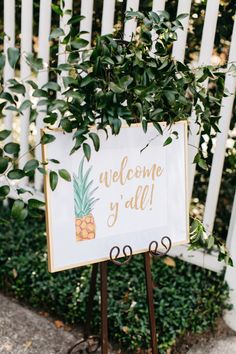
132	192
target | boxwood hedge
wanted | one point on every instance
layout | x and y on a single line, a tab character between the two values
187	298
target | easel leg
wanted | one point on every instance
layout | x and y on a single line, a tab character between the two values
104	324
149	287
92	291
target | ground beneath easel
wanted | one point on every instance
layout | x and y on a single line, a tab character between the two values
23	331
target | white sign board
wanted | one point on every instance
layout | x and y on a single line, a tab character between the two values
131	192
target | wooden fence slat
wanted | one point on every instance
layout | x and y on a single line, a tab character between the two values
43	52
9	41
219	155
86	24
130	26
25	72
108	14
207	45
184	7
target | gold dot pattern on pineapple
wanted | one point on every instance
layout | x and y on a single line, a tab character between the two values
85	228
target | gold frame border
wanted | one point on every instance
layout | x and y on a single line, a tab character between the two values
51	267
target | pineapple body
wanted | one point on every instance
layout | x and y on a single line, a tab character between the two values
84	201
85	228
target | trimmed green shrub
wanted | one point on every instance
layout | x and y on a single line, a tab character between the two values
187	298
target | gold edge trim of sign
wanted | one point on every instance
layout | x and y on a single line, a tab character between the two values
47	209
48	213
107	258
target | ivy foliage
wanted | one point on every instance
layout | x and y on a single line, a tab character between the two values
112	83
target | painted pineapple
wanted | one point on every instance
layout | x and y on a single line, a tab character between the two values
84	202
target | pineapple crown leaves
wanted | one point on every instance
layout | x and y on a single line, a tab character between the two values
84	200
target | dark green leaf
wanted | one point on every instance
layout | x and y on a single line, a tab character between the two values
86	81
202	164
31	165
96	141
18	88
54	161
51	86
32	84
2	61
40	93
16	174
75	19
65	175
4	134
56	33
35	203
79	43
53	179
18	210
158	127
12	148
167	141
115	88
57	9
13	55
26	104
87	151
3	164
47	138
4	191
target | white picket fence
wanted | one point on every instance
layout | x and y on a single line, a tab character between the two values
208	261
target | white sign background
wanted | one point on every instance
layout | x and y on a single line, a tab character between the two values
165	213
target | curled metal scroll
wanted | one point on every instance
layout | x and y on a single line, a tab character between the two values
89	344
153	247
128	256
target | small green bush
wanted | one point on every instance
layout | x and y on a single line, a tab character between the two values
187	298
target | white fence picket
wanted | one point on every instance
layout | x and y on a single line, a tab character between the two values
130	26
158	5
219	155
9	41
108	13
230	275
25	72
87	22
62	55
184	7
43	52
207	45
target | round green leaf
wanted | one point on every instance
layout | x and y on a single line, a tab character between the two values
16	174
53	179
4	191
12	148
18	210
65	175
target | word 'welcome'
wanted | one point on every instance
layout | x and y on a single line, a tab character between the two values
143	196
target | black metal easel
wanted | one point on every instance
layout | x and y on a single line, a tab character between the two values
90	344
